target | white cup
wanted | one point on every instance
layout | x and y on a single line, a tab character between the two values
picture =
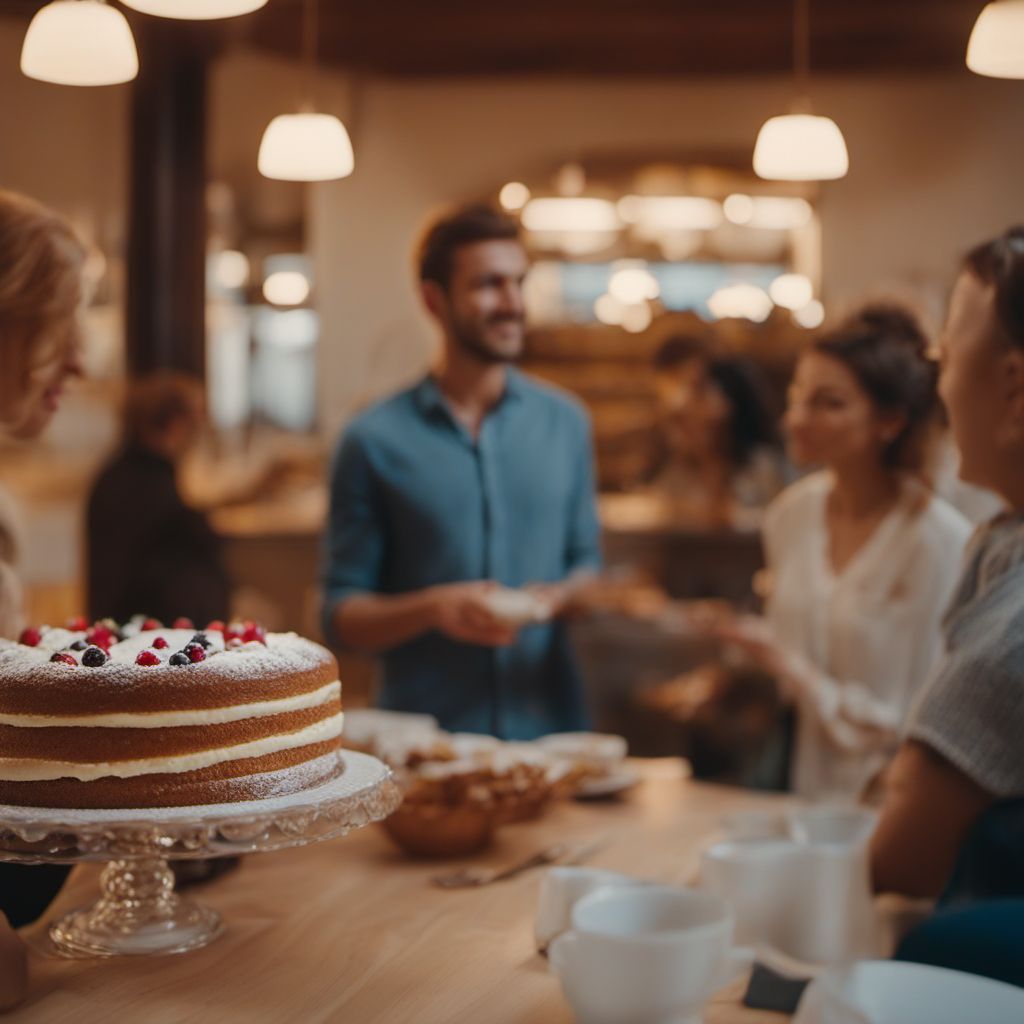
834	920
833	824
561	889
759	879
647	954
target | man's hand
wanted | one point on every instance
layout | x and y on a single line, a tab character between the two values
460	611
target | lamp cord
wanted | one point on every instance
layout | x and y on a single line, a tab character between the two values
802	47
311	30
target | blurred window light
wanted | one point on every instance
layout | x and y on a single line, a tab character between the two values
230	269
286	288
770	213
636	319
656	214
513	196
633	283
791	291
742	301
560	214
609	310
571	179
810	316
738	208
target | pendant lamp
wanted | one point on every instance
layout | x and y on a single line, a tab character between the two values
307	146
800	145
79	42
195	10
996	46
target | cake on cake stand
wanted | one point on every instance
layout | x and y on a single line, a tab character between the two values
138	912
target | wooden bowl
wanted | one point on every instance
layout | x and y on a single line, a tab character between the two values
437	830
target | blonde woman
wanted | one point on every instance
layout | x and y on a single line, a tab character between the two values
40	299
40	296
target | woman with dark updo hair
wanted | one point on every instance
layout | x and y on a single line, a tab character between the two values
862	558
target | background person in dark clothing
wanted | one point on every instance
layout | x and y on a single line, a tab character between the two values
148	552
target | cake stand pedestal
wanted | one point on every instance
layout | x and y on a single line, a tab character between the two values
138	912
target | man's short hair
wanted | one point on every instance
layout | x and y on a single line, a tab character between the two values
464	226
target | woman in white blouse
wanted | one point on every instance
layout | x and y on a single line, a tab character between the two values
862	557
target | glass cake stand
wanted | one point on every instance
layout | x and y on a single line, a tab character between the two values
138	912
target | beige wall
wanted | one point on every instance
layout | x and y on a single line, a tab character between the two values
935	165
67	147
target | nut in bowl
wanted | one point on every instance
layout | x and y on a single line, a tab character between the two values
524	780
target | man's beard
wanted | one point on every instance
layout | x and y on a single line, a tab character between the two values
472	340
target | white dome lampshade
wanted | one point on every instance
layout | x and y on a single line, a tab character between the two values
196	10
996	46
306	147
800	147
79	42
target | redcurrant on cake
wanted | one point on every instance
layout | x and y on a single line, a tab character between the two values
144	715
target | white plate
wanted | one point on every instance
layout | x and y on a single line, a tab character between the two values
890	992
612	784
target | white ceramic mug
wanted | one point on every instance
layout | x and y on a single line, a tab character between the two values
649	954
808	896
759	879
561	889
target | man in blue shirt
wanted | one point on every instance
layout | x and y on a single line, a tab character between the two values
473	478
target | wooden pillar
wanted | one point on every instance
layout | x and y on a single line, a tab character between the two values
165	312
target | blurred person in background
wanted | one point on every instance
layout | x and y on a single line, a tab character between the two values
720	460
148	551
474	478
41	296
862	557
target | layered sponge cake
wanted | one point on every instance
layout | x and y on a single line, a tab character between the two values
156	717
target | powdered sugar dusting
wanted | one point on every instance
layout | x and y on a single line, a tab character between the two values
361	773
284	652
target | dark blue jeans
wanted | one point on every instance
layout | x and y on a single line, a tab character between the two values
984	938
979	925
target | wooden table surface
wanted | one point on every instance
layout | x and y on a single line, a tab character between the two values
350	930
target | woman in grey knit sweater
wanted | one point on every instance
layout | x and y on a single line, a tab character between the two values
953	818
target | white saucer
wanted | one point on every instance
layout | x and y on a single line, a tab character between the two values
616	782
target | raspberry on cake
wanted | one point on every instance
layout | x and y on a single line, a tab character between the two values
143	724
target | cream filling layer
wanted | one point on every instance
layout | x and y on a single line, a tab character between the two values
172	719
30	770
